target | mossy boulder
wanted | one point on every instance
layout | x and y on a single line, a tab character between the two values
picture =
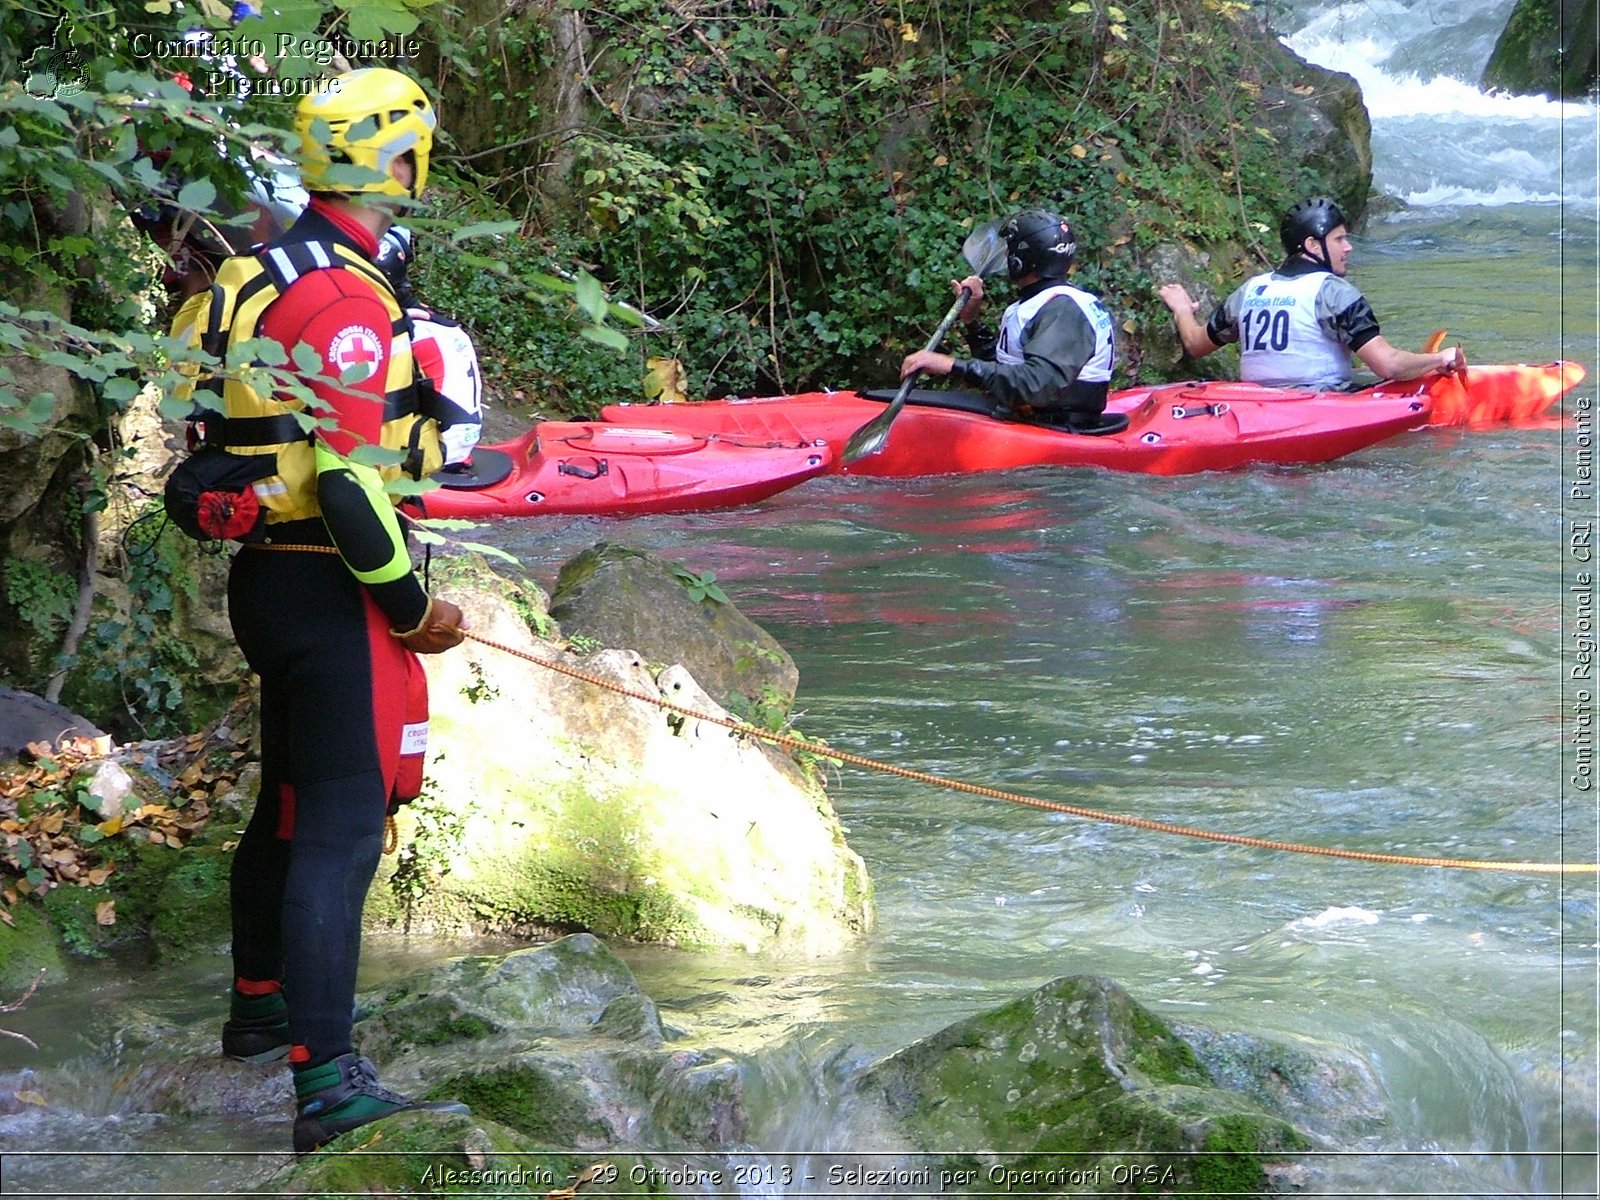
629	599
472	573
421	1153
1320	119
1549	47
192	914
27	947
558	1043
1084	1088
563	796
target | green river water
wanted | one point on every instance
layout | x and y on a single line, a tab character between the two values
1371	654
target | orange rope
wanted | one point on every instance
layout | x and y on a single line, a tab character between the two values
1072	810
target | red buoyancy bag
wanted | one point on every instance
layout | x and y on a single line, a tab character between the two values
413	735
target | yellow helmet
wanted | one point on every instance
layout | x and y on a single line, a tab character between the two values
365	118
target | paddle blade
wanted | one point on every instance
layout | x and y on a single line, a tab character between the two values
1435	342
872	436
869	439
985	249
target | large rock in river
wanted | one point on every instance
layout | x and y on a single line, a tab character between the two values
562	796
1321	120
1076	1088
618	596
1550	46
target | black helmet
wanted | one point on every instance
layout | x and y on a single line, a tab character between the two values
395	253
1316	217
1038	243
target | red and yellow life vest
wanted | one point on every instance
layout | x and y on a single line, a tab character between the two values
229	313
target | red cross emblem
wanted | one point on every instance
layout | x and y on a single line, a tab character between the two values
355	353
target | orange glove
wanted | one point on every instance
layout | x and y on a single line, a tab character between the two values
442	628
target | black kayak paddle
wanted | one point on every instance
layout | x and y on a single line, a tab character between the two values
985	252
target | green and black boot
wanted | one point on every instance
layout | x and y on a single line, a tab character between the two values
345	1094
257	1028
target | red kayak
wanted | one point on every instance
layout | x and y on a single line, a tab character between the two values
1170	429
1497	394
582	468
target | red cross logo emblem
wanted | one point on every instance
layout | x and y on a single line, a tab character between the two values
355	353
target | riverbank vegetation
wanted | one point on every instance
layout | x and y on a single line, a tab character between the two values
786	186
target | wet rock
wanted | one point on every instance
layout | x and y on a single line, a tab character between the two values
1087	1091
205	1084
1547	46
436	1155
558	1043
1326	1091
568	986
562	796
558	1046
632	600
27	947
1320	118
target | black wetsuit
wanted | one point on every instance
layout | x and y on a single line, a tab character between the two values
313	610
330	679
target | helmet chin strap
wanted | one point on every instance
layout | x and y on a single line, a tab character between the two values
1325	260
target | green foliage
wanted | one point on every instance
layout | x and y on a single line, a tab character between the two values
788	187
96	123
133	670
769	710
43	599
426	858
700	587
530	325
92	129
72	916
480	689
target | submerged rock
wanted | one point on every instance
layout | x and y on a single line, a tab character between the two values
1076	1088
1326	1091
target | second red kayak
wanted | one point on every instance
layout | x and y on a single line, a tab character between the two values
1171	429
1174	430
584	468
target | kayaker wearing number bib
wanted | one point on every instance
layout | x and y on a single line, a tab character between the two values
1297	326
1052	358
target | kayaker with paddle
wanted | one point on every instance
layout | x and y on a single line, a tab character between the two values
1051	360
322	597
1297	326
